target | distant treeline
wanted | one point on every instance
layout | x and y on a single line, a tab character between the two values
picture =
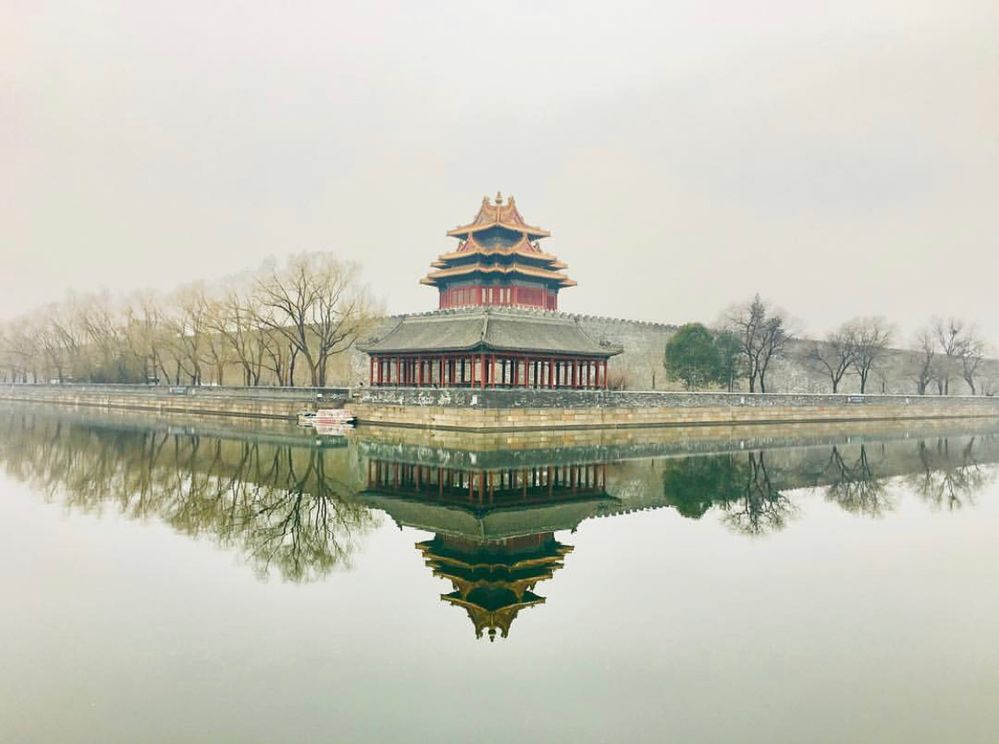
280	325
753	335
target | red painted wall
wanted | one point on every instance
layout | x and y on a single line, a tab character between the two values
502	296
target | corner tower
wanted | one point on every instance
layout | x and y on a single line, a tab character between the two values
498	262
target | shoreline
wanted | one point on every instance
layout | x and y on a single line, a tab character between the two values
512	410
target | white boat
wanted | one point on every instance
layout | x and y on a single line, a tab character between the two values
334	417
307	418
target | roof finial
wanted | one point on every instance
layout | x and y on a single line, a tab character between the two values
499	199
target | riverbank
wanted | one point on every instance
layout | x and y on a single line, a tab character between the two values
499	410
243	402
466	409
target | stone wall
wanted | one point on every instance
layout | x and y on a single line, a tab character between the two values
259	403
498	410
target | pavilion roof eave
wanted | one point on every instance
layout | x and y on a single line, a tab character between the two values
529	230
484	347
490	330
526	271
530	255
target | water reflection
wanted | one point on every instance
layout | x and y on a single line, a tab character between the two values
738	484
952	472
285	506
297	508
494	529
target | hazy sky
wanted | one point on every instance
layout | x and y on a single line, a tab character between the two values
841	159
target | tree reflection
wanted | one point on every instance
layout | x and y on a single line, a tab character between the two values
749	488
950	476
289	509
738	484
854	485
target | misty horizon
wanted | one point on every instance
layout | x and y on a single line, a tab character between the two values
841	162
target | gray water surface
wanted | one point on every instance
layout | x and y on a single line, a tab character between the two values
209	581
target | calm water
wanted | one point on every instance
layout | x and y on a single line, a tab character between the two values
208	582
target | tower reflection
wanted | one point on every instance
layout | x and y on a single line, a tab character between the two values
494	530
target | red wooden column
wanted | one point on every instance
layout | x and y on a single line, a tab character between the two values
482	367
551	372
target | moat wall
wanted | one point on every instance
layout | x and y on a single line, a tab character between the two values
498	410
257	403
508	410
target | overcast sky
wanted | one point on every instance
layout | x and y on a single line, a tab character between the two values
840	161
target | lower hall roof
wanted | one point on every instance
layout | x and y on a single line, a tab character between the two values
489	329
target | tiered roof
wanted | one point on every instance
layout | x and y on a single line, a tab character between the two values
497	214
498	243
493	583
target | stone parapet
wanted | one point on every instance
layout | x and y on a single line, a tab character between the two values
260	403
470	409
499	410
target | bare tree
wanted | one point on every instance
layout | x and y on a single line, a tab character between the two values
763	336
972	355
834	356
51	345
926	368
219	351
233	318
22	351
65	323
869	338
316	304
145	334
963	348
104	338
188	332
